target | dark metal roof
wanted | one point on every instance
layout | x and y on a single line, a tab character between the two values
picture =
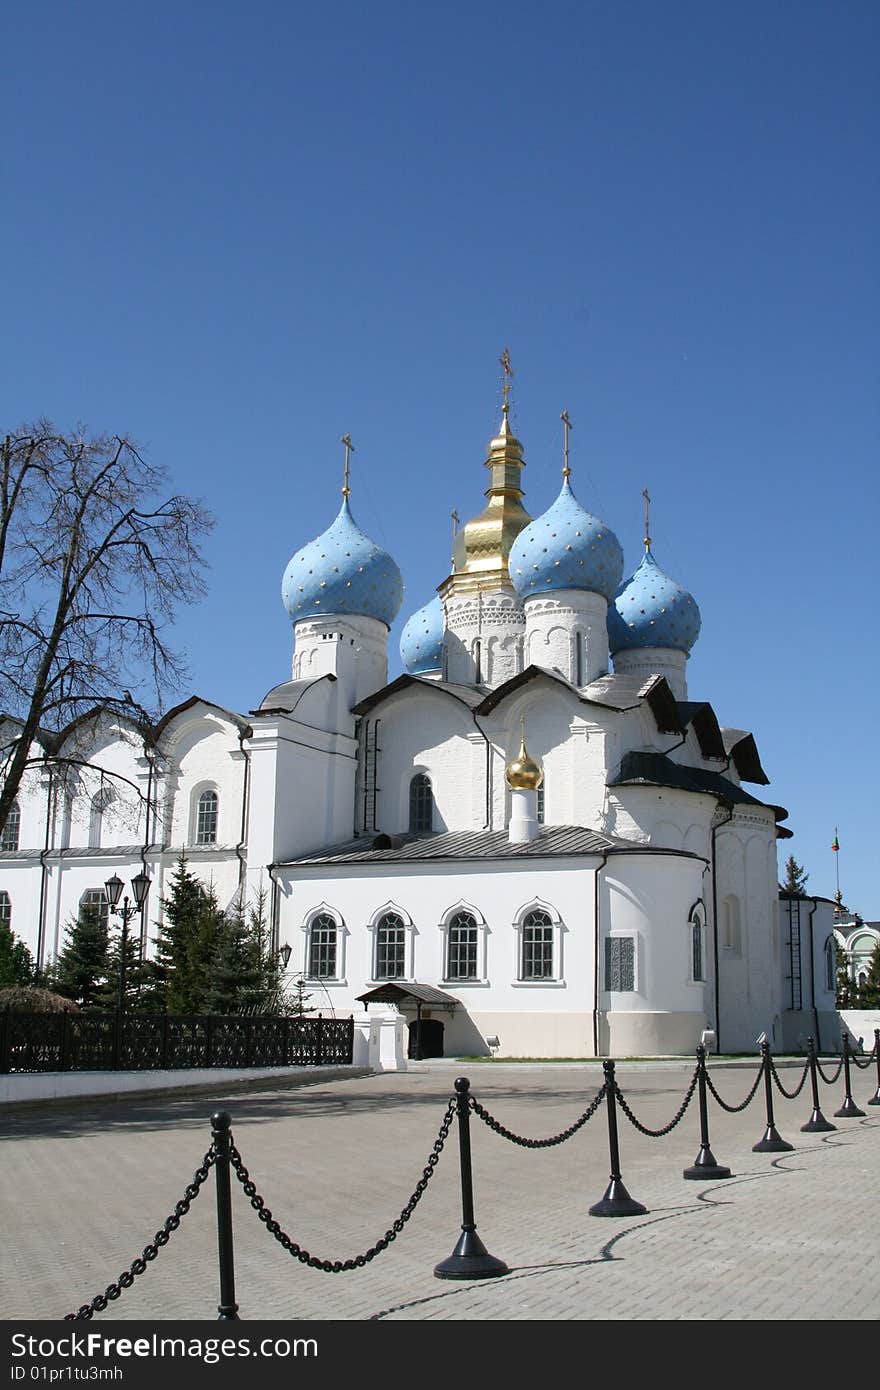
392	993
701	716
656	770
469	695
740	745
465	844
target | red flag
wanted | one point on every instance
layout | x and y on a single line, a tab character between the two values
835	846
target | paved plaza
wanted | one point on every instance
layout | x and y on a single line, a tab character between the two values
789	1236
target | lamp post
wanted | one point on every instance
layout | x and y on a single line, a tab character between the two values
140	887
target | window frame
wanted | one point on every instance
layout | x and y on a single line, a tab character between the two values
13	820
425	803
375	925
696	926
556	978
199	796
611	940
447	923
324	910
5	909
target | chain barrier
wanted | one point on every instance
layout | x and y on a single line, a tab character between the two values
357	1261
139	1264
526	1143
667	1129
735	1109
829	1080
789	1095
866	1062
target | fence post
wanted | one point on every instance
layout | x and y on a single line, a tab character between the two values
705	1164
227	1309
319	1042
5	1039
772	1143
470	1258
617	1201
875	1099
849	1110
817	1123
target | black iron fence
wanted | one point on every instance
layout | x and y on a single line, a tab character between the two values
159	1042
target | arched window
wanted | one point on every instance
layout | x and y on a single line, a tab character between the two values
9	838
322	947
579	658
421	805
540	806
100	802
461	947
730	925
5	911
390	961
536	953
206	818
94	910
698	971
830	964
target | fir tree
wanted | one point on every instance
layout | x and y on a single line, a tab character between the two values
868	994
17	965
186	944
845	990
139	997
795	877
81	968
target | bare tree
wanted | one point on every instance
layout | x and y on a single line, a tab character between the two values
92	569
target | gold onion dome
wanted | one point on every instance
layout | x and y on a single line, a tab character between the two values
483	545
524	774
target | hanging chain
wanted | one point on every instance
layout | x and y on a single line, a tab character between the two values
829	1080
560	1138
358	1261
735	1109
789	1095
659	1133
139	1265
866	1062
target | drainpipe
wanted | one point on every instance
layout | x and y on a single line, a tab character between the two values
715	830
596	935
245	796
273	906
488	802
144	848
41	912
815	1011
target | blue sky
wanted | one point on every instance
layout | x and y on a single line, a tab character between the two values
238	231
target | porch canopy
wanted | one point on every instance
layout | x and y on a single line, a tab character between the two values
409	996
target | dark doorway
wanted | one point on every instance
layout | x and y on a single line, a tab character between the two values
425	1038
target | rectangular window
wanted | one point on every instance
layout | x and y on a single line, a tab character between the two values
537	952
620	963
322	952
390	953
462	961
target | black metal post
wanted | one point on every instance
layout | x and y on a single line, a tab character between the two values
470	1258
705	1164
875	1099
772	1143
227	1309
849	1110
617	1201
817	1123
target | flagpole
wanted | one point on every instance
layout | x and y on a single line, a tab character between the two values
836	849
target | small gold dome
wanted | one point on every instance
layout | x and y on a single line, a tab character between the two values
524	774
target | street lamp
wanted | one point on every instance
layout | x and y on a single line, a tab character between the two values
140	887
284	954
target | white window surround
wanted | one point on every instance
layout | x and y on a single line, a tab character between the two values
481	978
635	938
373	924
324	910
195	797
697	915
557	979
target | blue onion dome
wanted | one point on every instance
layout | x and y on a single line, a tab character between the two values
651	610
566	548
340	572
421	642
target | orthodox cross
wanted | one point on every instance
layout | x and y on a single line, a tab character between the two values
506	368
349	449
647	527
566	425
456	520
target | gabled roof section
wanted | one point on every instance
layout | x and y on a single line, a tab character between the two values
158	729
552	840
701	717
611	692
284	698
468	694
510	687
140	726
740	745
656	770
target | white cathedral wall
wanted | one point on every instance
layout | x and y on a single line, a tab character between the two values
648	899
655	661
566	631
749	955
541	1018
432	733
485	631
301	793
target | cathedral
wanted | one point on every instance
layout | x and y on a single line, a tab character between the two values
533	842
